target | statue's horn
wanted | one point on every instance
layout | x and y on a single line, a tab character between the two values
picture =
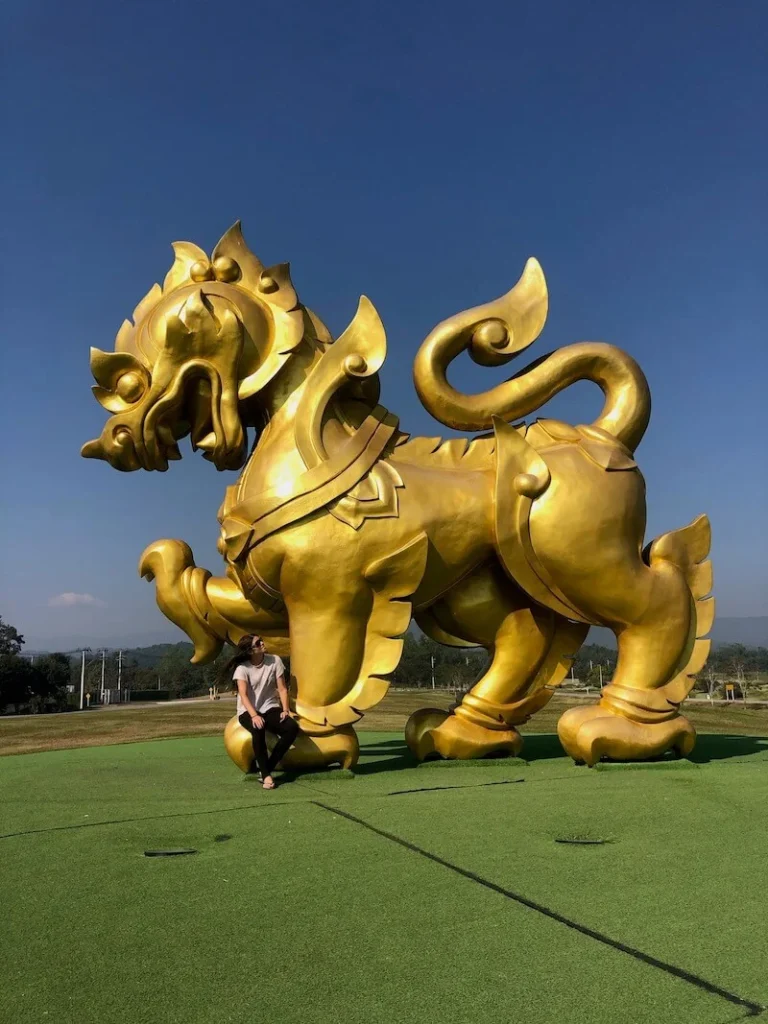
92	450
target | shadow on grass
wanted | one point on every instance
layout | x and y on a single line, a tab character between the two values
394	761
711	747
541	747
281	777
394	755
382	747
397	756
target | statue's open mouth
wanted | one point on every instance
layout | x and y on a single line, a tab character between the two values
197	402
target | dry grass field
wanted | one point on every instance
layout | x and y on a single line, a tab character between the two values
200	717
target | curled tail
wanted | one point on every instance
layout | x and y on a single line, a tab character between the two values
497	332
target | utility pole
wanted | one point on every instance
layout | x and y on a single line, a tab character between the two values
119	674
432	663
103	668
82	682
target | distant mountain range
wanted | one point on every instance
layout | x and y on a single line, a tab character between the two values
752	632
145	657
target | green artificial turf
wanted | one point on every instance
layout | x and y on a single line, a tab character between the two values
393	894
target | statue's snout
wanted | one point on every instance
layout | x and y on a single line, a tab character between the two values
93	450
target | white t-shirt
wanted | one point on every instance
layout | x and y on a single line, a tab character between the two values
261	683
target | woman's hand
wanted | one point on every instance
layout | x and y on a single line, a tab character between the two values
284	715
258	721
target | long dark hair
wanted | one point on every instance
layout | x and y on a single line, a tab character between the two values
240	657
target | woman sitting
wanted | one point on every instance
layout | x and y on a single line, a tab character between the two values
262	703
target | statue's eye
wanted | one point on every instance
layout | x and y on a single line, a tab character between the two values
130	386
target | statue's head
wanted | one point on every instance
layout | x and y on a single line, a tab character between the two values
198	349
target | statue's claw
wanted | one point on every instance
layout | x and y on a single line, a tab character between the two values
418	731
171	564
589	733
210	609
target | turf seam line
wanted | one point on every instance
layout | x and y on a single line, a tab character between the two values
741	1016
441	789
150	817
753	1009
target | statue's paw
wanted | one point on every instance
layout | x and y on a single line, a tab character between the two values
437	732
339	746
590	733
238	744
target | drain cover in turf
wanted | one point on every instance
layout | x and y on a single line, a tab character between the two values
168	853
581	842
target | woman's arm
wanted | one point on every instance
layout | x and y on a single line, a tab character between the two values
282	690
242	689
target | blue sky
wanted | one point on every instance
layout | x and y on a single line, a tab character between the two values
417	153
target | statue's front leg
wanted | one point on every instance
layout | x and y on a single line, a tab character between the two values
210	609
347	614
328	626
328	639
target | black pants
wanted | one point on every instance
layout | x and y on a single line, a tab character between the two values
286	731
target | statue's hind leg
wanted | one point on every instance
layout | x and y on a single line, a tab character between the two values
530	651
659	627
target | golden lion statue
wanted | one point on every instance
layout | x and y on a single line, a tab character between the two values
341	528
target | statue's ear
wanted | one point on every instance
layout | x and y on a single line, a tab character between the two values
358	354
363	345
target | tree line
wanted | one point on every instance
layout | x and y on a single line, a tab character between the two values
27	687
171	671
